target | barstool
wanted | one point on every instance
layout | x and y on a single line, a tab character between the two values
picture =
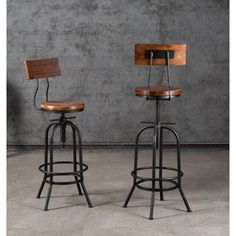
45	68
158	54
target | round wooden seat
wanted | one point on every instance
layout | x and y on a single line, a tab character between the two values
158	91
63	106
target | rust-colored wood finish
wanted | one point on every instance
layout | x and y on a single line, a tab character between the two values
66	105
42	68
157	91
179	57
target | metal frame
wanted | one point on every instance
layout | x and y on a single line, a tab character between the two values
158	128
36	92
47	167
167	57
78	167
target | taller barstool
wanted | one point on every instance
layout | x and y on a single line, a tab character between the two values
43	69
158	54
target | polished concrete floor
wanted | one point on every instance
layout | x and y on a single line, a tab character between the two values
108	181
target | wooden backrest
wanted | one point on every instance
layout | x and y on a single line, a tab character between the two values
177	53
42	68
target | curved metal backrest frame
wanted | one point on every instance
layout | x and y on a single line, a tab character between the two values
36	92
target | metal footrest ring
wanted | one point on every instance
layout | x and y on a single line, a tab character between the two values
156	179
156	189
143	179
60	182
74	173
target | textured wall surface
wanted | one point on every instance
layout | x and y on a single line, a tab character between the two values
94	40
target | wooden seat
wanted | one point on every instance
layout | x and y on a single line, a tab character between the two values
158	91
63	106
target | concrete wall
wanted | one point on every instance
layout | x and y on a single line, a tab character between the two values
94	40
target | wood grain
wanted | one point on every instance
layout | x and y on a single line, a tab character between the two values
66	105
42	68
157	91
179	57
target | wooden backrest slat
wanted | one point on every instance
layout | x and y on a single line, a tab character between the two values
42	68
179	54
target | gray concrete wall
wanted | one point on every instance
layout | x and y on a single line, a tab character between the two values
94	40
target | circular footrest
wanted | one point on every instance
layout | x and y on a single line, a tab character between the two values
143	179
49	173
60	182
138	184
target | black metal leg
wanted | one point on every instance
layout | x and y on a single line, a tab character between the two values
184	199
86	194
157	144
41	188
50	167
179	169
61	123
152	205
75	160
48	196
81	164
160	163
135	164
78	185
153	172
45	160
130	194
135	170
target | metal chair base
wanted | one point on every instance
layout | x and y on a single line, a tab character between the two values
157	144
78	167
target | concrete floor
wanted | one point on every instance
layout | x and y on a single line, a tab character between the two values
108	181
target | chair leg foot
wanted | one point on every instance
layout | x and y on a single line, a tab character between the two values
152	205
41	189
86	195
48	197
129	196
184	199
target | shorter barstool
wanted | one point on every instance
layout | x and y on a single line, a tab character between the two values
45	68
158	54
